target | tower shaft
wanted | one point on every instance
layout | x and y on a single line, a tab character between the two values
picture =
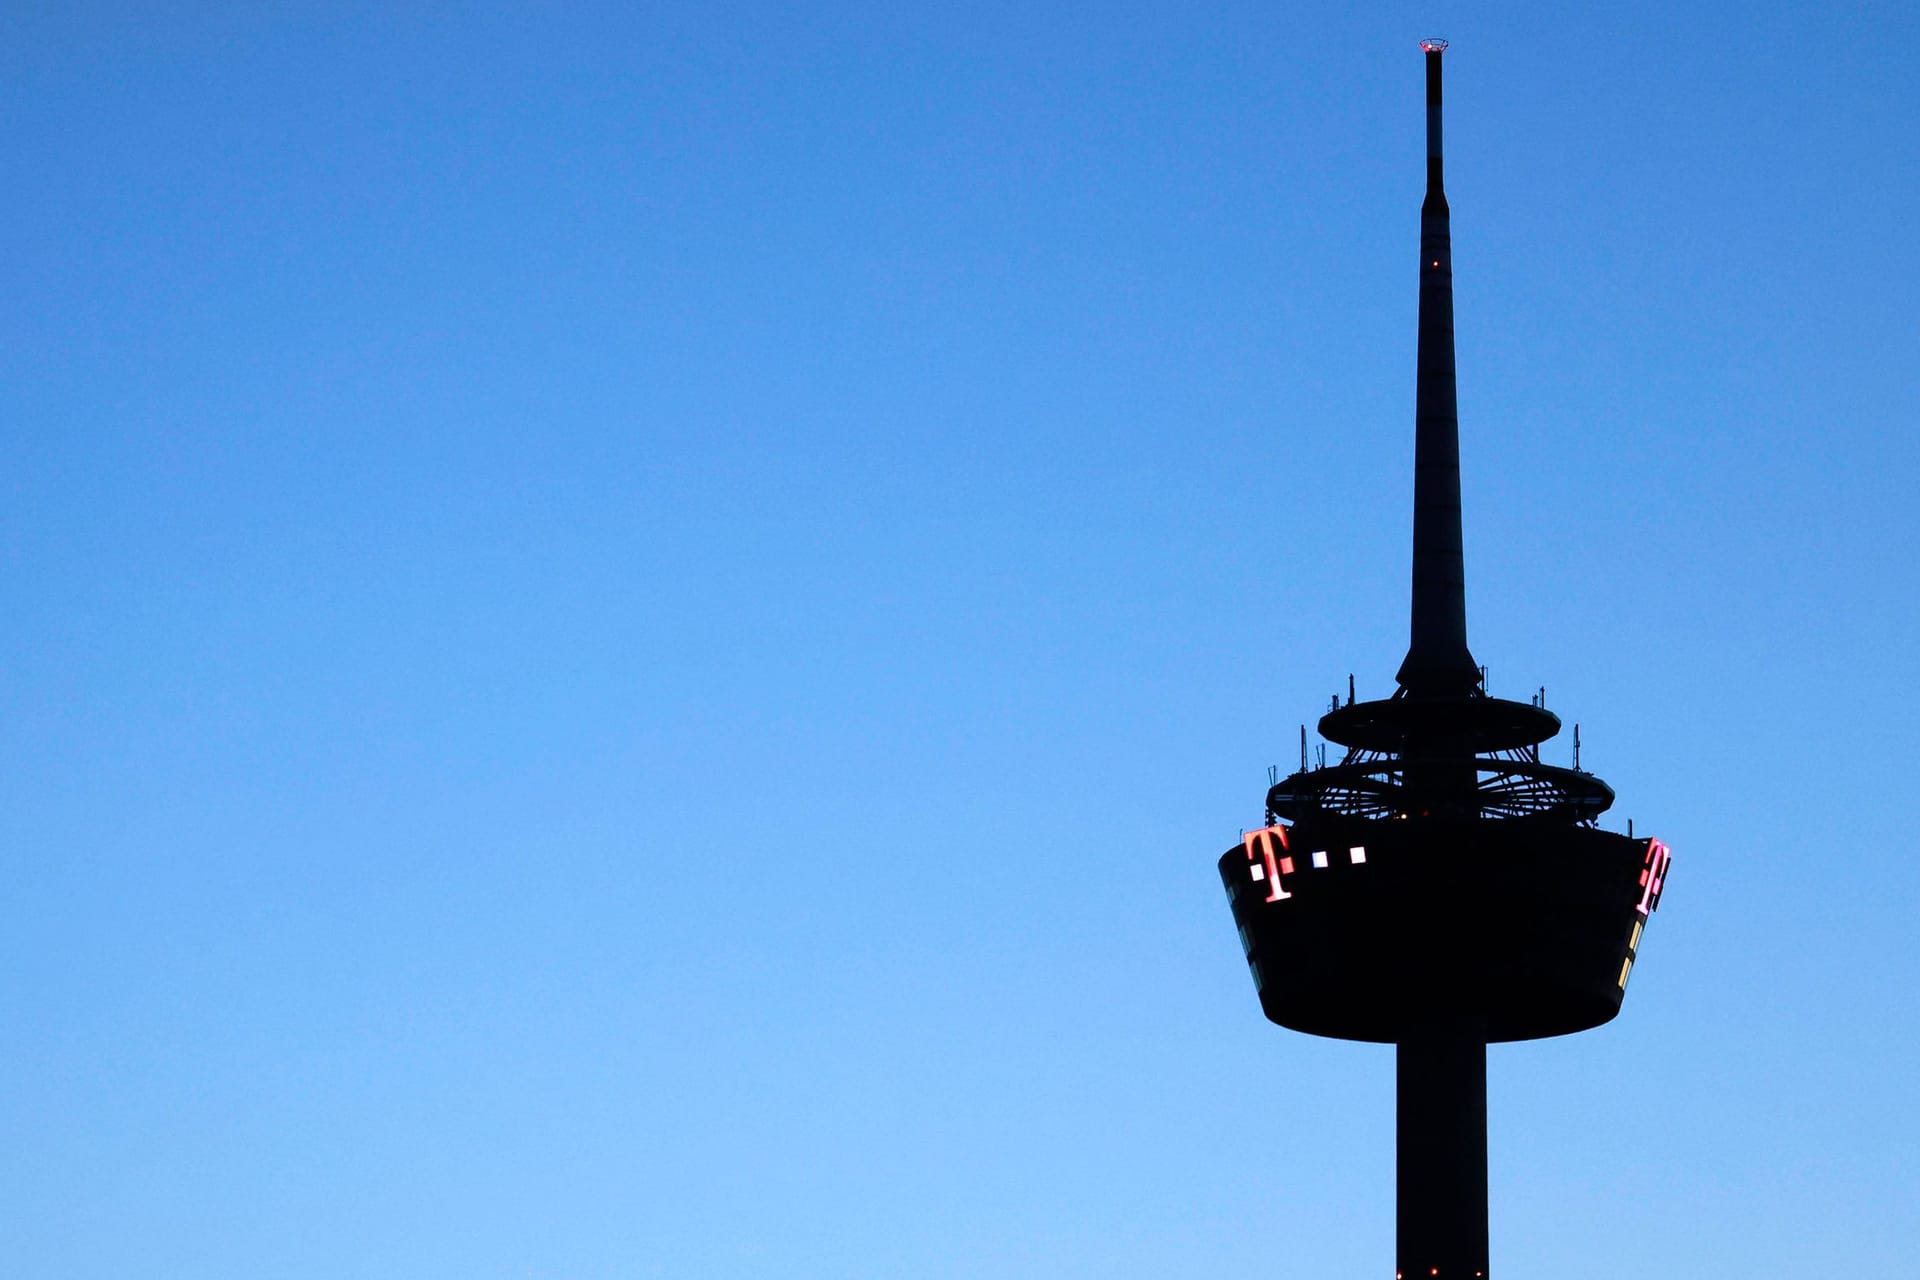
1441	1139
1441	1062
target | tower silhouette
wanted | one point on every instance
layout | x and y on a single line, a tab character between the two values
1440	887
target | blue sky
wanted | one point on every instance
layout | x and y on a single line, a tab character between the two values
631	632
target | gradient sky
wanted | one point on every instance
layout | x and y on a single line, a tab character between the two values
631	630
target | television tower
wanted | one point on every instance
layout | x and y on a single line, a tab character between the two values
1440	888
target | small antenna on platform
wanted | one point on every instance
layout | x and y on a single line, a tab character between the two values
1576	747
1349	688
1303	748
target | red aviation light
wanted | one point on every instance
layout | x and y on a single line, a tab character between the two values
1433	45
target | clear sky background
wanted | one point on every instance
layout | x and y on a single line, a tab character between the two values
631	631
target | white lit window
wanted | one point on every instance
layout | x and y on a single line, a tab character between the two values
1259	872
1319	857
1358	854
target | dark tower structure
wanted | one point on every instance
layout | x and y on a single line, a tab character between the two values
1440	888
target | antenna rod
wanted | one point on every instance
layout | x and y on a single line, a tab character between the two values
1437	661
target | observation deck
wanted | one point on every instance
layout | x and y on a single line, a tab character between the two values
1400	750
1363	928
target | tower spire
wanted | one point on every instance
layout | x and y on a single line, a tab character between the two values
1438	661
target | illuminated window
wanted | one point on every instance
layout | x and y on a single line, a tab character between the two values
1259	872
1634	941
1626	967
1319	857
1358	854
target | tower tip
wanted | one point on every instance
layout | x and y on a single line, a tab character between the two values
1433	44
